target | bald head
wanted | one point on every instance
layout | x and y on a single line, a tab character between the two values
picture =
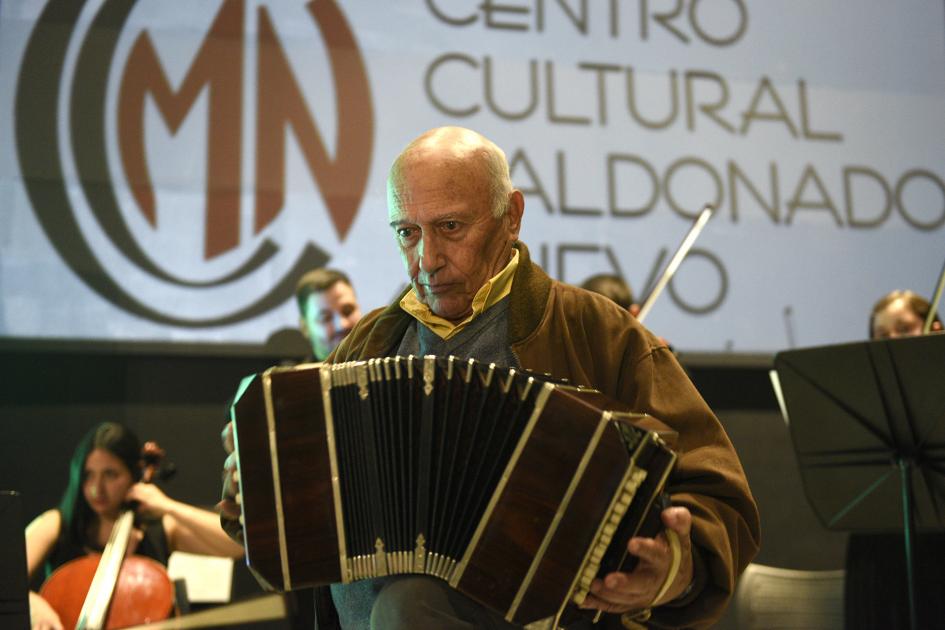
468	160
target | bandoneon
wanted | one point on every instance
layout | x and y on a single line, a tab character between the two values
516	490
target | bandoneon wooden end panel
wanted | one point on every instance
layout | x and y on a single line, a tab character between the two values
554	523
260	530
290	529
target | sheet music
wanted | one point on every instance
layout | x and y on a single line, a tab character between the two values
209	578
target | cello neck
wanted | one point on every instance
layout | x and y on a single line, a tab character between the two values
95	607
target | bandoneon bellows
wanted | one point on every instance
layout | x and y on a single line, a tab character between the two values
516	490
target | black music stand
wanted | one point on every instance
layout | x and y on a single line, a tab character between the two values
868	425
14	583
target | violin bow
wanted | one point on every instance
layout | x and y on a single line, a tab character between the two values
676	260
927	327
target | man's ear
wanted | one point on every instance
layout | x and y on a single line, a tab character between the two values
936	327
634	309
514	213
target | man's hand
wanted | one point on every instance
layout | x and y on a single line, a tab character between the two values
229	506
623	592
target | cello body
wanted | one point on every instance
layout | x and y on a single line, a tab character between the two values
143	593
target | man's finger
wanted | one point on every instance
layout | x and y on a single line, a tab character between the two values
622	588
616	582
231	520
626	597
678	519
598	603
229	509
606	605
651	551
226	436
231	474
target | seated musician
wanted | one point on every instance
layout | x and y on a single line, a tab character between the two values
475	293
103	476
615	287
328	309
876	594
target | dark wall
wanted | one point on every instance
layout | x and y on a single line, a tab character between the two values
792	537
51	397
739	390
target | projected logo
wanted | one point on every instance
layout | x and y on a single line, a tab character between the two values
184	160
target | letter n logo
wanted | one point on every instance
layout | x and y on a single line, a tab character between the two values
280	108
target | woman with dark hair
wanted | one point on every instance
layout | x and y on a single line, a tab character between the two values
103	476
876	587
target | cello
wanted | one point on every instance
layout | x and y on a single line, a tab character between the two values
111	590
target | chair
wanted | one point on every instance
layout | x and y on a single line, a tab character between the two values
773	598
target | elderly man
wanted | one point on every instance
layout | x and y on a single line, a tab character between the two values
475	293
328	309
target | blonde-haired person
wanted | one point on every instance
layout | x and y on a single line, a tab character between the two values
901	314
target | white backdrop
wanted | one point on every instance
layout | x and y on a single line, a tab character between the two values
816	127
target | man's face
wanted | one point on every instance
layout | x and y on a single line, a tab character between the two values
449	241
329	316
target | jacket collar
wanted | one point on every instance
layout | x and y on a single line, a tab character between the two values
530	289
529	296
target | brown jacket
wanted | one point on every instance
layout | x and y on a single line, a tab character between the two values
584	337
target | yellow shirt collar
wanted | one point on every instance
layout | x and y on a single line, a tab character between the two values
488	295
